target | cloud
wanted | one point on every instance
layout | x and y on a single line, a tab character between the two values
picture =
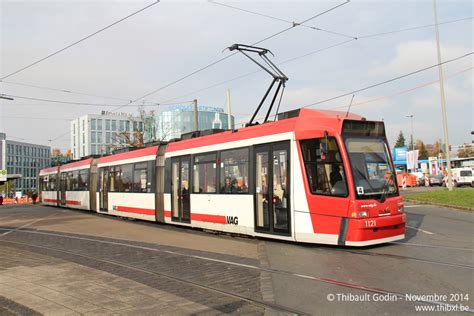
413	55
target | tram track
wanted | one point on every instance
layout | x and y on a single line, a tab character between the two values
253	301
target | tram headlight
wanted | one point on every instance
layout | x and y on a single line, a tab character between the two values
401	207
363	214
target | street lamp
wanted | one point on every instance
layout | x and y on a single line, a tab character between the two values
412	140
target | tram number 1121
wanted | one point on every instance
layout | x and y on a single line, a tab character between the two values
370	223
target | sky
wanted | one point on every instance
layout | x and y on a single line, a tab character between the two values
174	38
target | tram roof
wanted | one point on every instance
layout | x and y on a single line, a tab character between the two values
138	153
303	123
76	164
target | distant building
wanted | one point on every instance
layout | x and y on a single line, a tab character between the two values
24	159
178	120
98	134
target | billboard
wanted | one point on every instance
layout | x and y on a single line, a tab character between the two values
412	159
400	154
433	164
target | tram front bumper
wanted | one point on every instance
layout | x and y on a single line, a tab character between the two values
375	230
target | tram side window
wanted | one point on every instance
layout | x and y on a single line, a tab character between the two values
83	180
122	178
234	171
51	183
71	180
205	173
325	171
141	178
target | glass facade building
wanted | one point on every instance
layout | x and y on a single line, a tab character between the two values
178	120
23	159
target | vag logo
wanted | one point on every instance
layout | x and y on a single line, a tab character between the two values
232	220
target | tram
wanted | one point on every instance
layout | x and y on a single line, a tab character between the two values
311	176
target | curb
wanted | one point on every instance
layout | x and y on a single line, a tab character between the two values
460	208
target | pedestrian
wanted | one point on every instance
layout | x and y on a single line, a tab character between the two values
34	196
1	199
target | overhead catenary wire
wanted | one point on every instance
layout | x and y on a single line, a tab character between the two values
62	90
317	51
389	80
78	41
419	86
85	103
384	82
228	56
281	20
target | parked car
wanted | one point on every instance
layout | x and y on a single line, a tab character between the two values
436	179
462	176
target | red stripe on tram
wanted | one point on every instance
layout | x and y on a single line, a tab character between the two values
217	219
144	211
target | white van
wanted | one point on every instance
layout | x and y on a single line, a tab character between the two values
462	176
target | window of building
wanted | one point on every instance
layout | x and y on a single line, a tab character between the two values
99	137
205	173
93	137
99	124
324	170
234	171
107	125
114	125
93	124
107	137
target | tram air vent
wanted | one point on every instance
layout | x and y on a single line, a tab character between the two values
289	114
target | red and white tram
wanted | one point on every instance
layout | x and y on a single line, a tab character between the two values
311	176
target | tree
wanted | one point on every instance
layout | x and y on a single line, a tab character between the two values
466	151
56	152
422	151
400	140
436	149
134	137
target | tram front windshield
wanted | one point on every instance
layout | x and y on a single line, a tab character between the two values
371	166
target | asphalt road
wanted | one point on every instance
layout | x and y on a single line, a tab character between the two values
62	262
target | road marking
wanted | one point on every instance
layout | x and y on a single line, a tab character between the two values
430	246
26	225
419	229
417	205
255	267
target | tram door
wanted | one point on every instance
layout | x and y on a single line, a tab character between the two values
103	190
272	188
180	186
62	188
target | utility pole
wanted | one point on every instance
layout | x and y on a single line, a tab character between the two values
443	101
411	136
196	123
229	116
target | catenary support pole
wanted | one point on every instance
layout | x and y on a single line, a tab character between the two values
443	101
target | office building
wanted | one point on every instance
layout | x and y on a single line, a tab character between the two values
99	134
24	159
